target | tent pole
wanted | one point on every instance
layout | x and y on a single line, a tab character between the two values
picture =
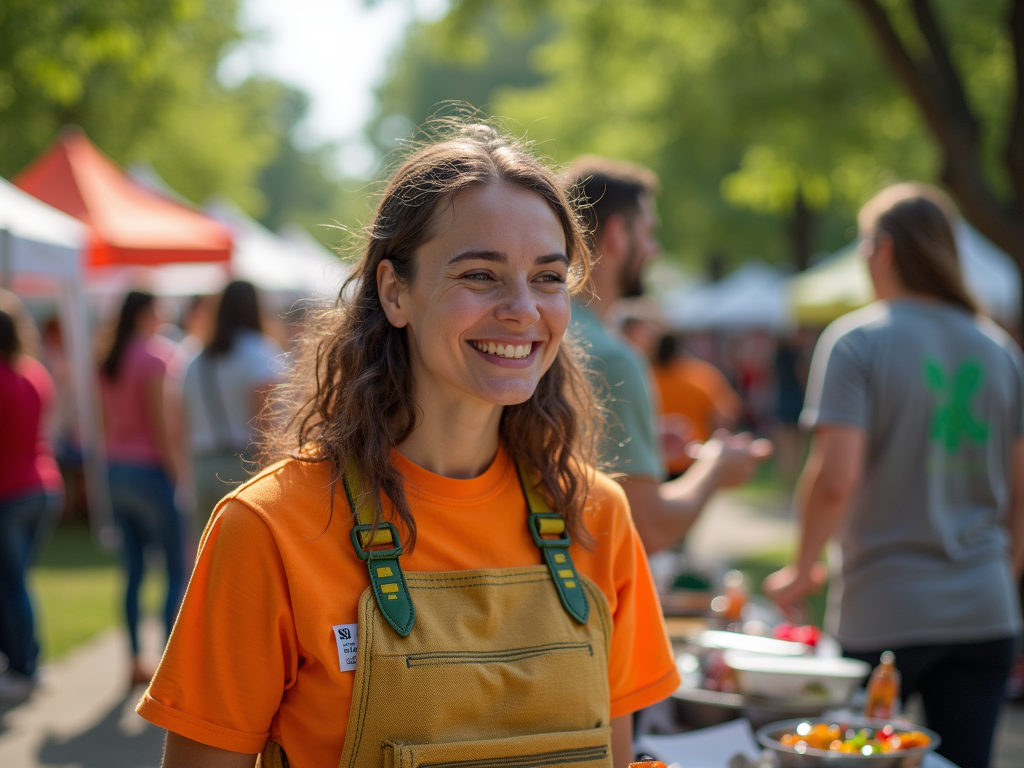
76	340
6	259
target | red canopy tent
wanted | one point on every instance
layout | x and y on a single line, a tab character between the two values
128	225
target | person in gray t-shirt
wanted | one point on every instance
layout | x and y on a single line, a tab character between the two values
917	465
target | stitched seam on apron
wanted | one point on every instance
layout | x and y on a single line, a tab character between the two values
583	754
443	658
366	683
597	595
484	584
412	575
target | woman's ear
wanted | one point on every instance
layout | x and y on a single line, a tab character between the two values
389	290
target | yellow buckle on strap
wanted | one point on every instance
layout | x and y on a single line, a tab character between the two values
550	526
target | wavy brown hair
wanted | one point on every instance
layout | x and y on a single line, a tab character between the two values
350	395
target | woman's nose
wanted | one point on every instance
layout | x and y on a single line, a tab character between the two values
518	304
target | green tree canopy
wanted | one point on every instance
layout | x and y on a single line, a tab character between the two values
140	77
755	113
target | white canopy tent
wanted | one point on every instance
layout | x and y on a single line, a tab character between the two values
754	296
41	254
288	266
990	273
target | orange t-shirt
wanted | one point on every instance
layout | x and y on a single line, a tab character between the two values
697	391
253	655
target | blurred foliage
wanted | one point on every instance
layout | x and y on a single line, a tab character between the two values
300	187
140	77
464	57
740	107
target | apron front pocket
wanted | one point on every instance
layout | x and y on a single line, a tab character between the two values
571	749
502	656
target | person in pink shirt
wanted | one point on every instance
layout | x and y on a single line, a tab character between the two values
30	495
141	468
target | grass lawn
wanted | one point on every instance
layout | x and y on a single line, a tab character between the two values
766	484
77	591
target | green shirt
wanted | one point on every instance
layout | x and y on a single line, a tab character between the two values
621	379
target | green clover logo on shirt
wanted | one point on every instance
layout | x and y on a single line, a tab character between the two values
952	419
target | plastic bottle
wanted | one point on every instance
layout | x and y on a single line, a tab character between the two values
736	595
883	695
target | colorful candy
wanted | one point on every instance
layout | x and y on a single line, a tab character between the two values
864	741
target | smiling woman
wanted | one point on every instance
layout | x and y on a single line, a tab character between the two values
432	564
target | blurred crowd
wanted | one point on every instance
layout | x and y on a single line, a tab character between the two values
180	403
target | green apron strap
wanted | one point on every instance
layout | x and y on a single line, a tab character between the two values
380	550
549	533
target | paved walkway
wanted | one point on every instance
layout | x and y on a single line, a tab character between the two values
83	716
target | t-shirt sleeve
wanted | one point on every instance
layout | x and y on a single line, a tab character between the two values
630	445
837	385
41	381
234	650
641	665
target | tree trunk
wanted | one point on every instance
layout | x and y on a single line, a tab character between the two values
932	81
801	233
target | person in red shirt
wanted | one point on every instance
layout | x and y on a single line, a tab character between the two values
30	494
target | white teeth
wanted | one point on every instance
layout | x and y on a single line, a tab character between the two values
508	351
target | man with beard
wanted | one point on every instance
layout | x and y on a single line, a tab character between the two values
617	201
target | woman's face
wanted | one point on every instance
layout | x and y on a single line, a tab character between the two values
489	303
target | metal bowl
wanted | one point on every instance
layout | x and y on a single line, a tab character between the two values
768	737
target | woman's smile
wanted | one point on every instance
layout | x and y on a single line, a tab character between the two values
505	350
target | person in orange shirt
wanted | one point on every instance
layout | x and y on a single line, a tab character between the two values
693	390
431	571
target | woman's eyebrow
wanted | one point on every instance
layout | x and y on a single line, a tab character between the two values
499	256
552	257
502	258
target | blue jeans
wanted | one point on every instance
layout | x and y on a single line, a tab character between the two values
25	524
142	499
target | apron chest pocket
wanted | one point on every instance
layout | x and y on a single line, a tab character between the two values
572	749
504	656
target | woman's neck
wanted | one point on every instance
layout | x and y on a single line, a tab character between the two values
459	441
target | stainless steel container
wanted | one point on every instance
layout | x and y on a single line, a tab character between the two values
769	735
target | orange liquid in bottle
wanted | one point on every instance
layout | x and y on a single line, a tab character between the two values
883	689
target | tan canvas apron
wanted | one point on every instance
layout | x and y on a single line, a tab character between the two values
473	669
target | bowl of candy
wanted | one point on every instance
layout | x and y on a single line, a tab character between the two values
853	743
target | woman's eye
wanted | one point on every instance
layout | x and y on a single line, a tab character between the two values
551	277
478	276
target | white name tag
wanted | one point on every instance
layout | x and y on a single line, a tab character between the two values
347	638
